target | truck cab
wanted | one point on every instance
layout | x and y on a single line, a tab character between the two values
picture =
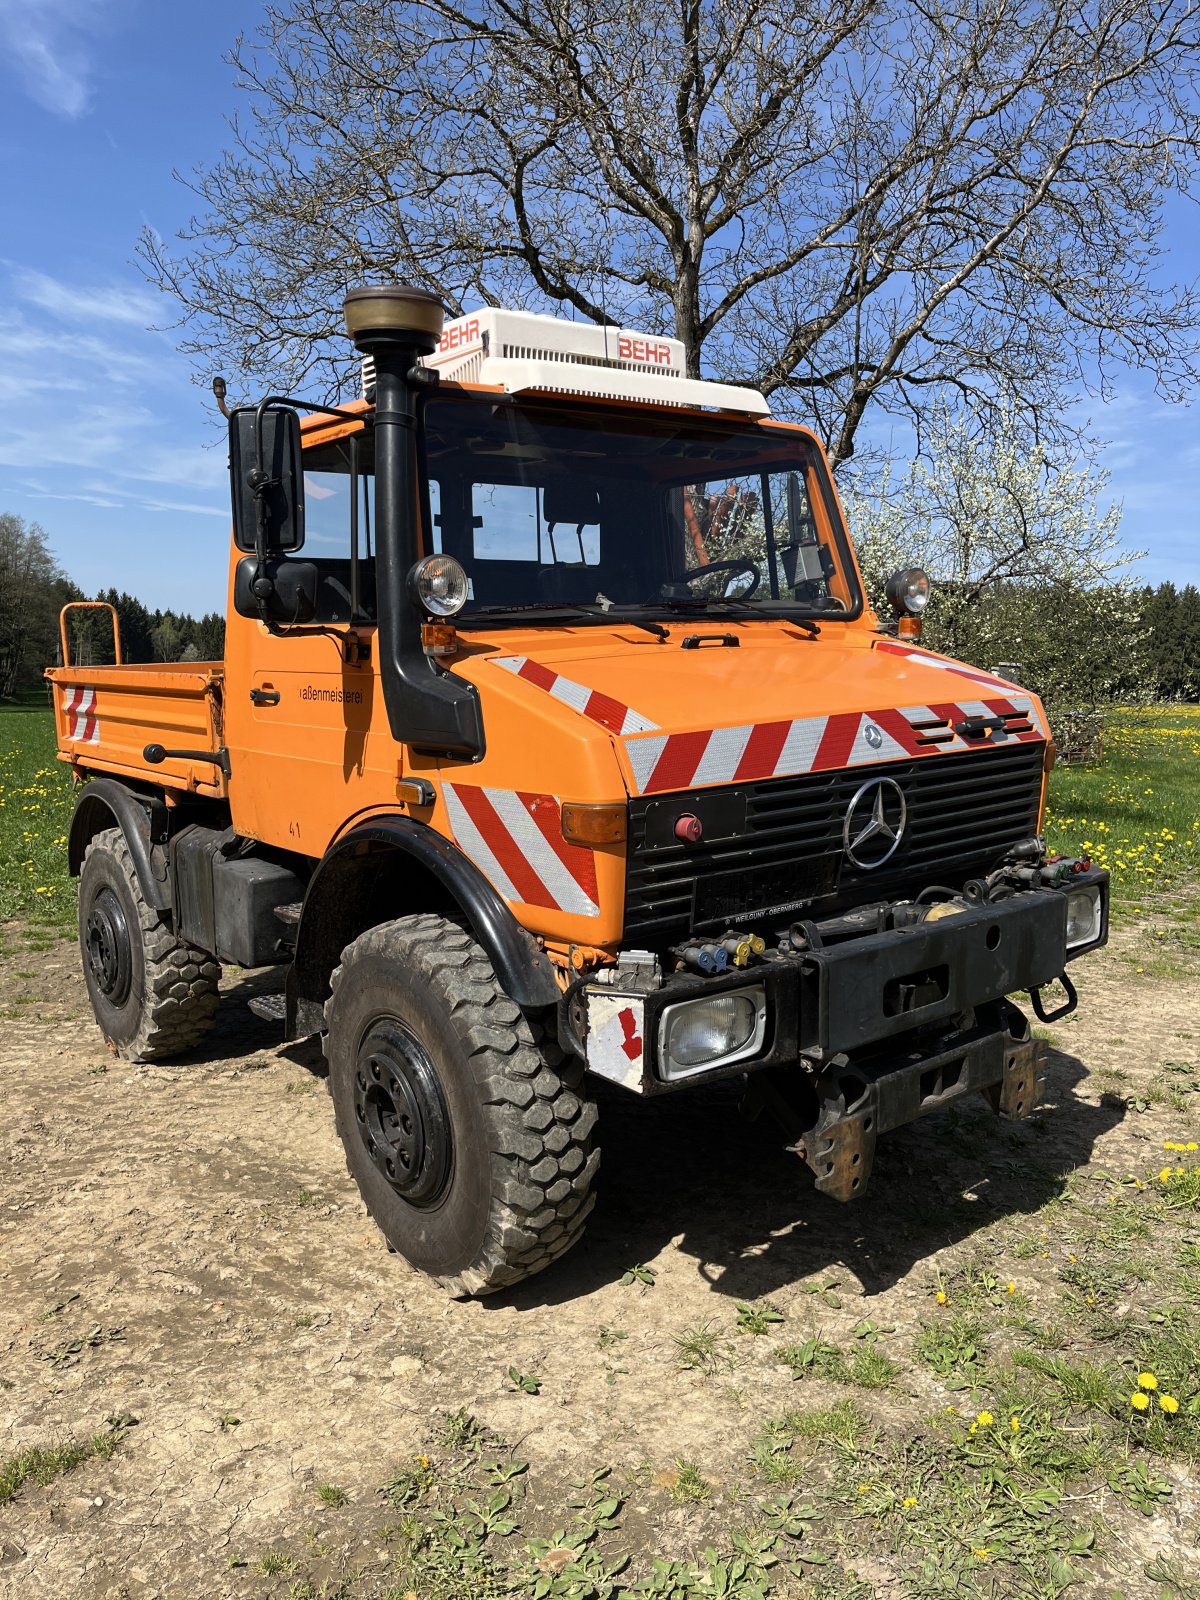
556	740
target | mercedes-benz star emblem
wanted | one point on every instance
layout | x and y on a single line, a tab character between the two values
874	823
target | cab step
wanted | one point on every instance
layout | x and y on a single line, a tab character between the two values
270	1007
289	915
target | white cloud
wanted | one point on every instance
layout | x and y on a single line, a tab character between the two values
49	44
123	303
40	492
221	511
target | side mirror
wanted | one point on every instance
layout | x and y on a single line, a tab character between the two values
290	594
267	478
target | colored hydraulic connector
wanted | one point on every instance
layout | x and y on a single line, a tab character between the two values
742	947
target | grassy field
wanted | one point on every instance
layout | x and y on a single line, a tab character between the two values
1136	812
36	801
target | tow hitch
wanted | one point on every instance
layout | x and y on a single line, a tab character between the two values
858	1101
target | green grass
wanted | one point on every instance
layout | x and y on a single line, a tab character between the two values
42	1464
1137	810
36	801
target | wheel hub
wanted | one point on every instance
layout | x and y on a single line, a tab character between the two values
401	1112
109	951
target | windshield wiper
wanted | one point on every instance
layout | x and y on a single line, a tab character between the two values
554	608
758	612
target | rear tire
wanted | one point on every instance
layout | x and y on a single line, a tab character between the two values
153	995
465	1126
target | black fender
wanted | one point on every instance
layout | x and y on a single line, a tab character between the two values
389	867
104	802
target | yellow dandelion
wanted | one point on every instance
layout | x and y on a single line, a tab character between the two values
1010	1288
1139	1401
981	1552
910	1500
941	1297
1015	1424
985	1419
1164	1175
1168	1403
1147	1380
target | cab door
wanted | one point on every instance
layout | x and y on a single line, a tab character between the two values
304	721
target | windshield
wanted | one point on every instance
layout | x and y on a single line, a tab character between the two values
552	506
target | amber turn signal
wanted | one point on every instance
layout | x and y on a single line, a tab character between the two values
438	639
908	627
593	824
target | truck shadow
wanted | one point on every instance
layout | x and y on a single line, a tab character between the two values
745	1211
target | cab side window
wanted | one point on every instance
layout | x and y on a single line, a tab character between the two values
336	475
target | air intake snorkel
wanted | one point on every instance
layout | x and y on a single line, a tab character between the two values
426	707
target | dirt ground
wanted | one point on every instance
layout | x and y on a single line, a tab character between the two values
182	1245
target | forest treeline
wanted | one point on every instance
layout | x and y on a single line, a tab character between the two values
33	588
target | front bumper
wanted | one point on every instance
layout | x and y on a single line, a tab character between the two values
848	998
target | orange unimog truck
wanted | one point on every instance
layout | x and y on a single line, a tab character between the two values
555	740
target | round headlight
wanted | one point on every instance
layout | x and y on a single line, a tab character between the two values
908	591
439	584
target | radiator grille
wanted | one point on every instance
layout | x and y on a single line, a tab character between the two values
787	858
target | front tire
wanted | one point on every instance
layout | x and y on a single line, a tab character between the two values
465	1127
153	995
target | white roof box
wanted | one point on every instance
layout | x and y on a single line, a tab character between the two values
521	352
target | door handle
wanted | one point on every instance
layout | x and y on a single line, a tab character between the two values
264	697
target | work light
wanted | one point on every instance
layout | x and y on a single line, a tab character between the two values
908	591
439	585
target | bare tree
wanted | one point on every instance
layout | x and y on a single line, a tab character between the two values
854	204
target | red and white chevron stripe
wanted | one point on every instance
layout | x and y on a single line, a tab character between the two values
82	723
516	841
808	744
601	708
924	659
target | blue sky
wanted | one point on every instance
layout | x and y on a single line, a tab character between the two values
104	437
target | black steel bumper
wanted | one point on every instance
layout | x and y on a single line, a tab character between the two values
873	993
873	1031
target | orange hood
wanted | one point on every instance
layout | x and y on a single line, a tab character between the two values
777	704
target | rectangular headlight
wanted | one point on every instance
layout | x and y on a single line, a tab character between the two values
695	1035
1083	916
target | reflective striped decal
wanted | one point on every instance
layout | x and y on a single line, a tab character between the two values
602	708
82	723
809	744
515	839
922	658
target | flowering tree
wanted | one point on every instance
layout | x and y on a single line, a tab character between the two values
1026	557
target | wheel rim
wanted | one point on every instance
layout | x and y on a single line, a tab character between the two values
109	950
401	1112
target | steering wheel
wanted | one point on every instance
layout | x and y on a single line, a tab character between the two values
735	566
